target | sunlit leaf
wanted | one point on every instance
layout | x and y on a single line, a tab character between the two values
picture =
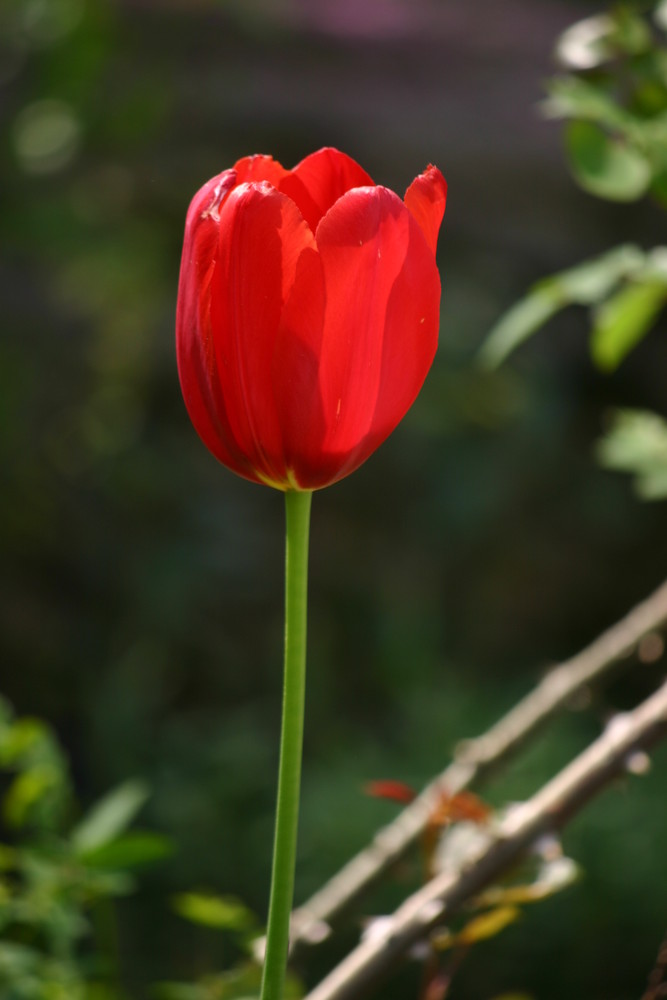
631	34
585	284
655	267
518	323
480	928
605	166
574	97
27	789
587	43
16	960
488	924
8	857
110	816
131	850
21	738
552	877
596	40
660	14
636	442
221	912
624	319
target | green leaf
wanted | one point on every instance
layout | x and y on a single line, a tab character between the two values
605	166
220	912
8	857
587	43
488	924
590	282
131	850
518	323
637	443
21	739
624	319
574	97
660	15
484	926
552	877
586	284
26	791
109	817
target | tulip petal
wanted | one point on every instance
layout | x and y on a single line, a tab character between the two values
320	180
196	362
259	167
426	198
307	314
381	324
266	312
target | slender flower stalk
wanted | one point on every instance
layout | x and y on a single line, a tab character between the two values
307	320
297	511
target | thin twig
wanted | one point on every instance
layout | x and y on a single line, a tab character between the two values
473	761
548	810
657	981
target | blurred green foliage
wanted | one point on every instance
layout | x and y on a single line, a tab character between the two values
58	879
636	442
615	102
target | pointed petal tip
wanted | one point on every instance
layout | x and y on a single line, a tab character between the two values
426	198
320	179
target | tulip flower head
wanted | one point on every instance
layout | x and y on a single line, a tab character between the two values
308	314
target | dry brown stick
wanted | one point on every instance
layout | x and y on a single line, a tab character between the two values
475	758
548	810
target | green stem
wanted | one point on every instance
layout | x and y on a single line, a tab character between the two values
297	510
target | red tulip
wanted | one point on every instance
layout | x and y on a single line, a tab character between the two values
307	316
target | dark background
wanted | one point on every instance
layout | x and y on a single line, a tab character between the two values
142	583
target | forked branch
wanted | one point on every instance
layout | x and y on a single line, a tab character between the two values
473	761
548	810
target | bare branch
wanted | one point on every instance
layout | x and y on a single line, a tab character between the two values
474	759
549	809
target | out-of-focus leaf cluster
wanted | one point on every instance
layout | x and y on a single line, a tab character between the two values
60	873
636	442
56	878
614	100
625	288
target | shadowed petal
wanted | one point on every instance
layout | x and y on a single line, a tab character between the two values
194	349
426	198
266	308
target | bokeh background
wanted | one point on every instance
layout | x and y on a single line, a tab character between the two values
142	583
